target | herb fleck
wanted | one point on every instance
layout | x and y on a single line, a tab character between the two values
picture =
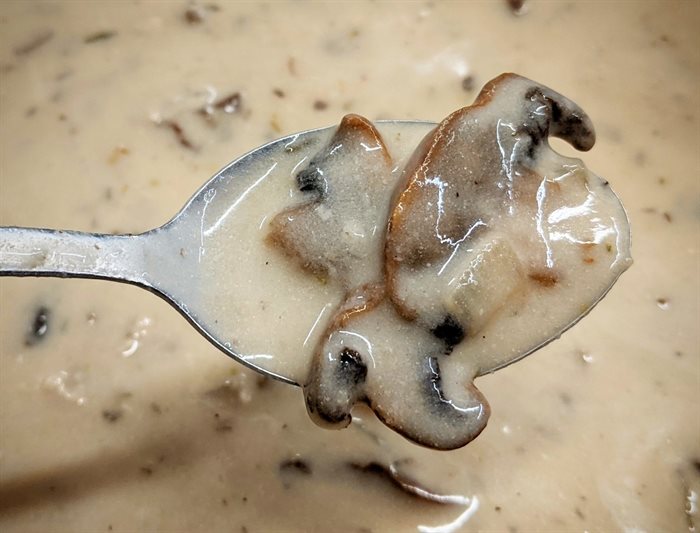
179	133
295	465
193	15
230	103
517	7
543	278
99	36
468	83
33	44
112	415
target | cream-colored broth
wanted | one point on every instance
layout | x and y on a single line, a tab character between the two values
123	416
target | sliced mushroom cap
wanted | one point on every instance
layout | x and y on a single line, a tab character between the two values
376	357
496	232
338	232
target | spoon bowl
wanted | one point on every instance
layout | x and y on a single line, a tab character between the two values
198	260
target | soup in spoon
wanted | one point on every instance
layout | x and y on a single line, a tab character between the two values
406	276
483	247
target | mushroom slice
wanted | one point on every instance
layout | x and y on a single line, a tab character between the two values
495	238
495	244
338	371
375	356
338	233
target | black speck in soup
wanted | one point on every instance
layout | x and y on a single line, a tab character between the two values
517	7
696	465
468	83
310	179
450	331
179	134
222	425
112	415
300	466
39	327
662	303
352	368
193	15
230	103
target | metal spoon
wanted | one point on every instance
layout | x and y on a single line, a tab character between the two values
175	260
156	260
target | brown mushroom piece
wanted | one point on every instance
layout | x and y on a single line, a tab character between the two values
397	374
489	245
499	234
338	233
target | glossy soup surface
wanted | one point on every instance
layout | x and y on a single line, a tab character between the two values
115	415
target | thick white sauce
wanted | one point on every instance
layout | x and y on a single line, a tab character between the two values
485	245
120	417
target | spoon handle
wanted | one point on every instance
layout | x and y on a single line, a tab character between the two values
72	254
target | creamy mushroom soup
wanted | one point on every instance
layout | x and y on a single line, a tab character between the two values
116	416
